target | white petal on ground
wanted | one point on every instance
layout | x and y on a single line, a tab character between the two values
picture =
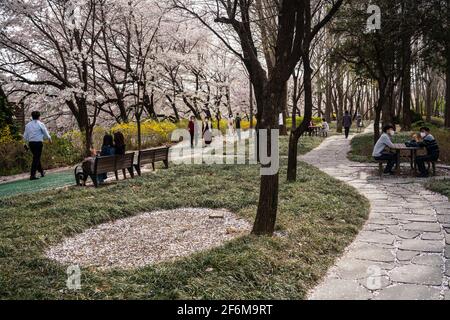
149	238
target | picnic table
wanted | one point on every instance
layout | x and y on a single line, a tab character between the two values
398	148
314	130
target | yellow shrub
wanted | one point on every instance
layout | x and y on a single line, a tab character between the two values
5	135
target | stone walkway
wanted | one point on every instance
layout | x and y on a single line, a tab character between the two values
403	251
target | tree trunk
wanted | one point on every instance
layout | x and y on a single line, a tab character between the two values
268	193
295	135
428	101
283	106
340	97
267	206
406	84
447	90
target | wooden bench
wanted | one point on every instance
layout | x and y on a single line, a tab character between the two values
151	156
112	164
380	166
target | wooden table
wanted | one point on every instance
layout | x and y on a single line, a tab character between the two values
314	130
398	148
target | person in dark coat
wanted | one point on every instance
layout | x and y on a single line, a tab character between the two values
238	125
347	123
429	143
107	150
191	128
119	143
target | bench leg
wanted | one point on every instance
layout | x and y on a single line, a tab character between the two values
138	169
380	169
166	163
117	175
94	180
153	166
434	168
124	173
130	170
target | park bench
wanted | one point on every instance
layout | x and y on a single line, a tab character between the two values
152	156
108	164
431	165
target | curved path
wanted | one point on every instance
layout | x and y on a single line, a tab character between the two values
403	250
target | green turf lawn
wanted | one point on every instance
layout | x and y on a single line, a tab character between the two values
440	186
320	215
50	181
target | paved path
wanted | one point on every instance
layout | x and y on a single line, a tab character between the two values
403	251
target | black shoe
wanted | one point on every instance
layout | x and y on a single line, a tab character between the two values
423	175
34	178
42	174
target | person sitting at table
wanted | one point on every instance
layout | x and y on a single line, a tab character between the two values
428	142
311	128
325	127
379	152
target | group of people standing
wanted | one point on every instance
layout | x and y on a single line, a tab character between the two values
234	127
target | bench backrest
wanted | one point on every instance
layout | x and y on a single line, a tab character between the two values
146	156
153	155
124	161
113	163
105	164
161	154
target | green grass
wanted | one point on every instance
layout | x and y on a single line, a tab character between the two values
320	215
440	186
50	181
305	144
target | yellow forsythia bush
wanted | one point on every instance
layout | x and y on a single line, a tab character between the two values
153	134
5	135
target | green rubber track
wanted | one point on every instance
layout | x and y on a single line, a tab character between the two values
50	181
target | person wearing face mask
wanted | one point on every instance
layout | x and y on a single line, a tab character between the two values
379	152
428	142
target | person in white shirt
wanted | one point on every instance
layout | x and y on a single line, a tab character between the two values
379	152
325	127
35	133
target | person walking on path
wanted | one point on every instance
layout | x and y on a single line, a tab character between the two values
231	125
432	147
379	152
238	126
34	135
347	123
191	128
325	127
207	132
359	123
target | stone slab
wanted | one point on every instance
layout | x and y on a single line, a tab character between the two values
423	227
408	292
338	289
428	260
417	274
422	245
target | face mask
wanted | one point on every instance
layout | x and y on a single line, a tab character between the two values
423	134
